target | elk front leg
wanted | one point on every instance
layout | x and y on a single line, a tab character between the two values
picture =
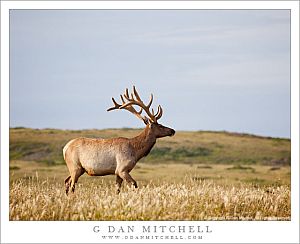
119	181
127	177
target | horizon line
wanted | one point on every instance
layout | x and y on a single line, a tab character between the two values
141	128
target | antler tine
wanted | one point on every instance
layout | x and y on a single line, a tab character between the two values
158	116
139	98
116	105
128	106
114	101
141	110
122	98
135	99
126	94
158	111
132	98
136	94
152	112
151	100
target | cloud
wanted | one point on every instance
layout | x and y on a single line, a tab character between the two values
208	35
72	62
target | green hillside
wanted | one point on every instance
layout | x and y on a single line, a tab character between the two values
202	147
198	175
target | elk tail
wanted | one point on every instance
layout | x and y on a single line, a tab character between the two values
66	148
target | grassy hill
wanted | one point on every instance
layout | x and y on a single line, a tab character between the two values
197	175
202	147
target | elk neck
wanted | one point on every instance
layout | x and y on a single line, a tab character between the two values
143	143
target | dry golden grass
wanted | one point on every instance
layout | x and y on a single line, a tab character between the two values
143	173
35	199
191	176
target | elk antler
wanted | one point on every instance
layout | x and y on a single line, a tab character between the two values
134	99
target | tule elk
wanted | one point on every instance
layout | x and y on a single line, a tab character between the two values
118	156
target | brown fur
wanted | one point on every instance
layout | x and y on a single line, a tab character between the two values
123	151
117	156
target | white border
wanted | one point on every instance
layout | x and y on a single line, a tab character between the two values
149	5
81	232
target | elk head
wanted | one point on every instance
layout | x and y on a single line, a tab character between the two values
150	119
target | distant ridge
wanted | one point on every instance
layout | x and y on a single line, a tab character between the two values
199	147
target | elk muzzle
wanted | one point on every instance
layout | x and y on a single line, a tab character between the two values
162	131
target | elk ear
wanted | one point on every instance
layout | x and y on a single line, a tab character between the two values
146	120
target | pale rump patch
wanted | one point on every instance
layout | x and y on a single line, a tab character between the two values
66	148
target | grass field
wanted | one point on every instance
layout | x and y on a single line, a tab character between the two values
192	176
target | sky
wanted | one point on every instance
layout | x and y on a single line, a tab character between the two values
208	69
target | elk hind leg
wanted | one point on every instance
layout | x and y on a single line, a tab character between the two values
74	176
68	181
127	177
